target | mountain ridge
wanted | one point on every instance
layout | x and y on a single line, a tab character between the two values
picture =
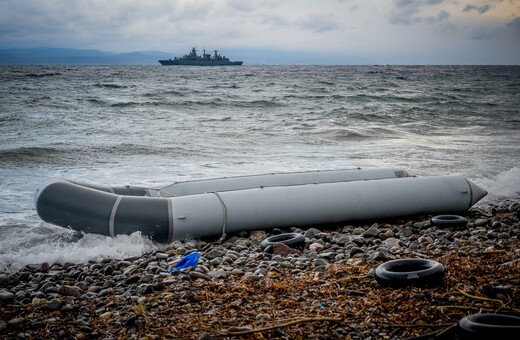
71	56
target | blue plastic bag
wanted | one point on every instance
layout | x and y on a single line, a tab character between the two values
189	260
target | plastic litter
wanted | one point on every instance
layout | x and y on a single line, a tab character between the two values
189	260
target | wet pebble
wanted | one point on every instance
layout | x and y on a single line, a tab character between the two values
6	296
197	275
373	231
217	274
67	290
53	305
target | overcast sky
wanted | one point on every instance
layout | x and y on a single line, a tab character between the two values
383	31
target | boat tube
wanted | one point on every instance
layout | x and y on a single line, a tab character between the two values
256	181
244	206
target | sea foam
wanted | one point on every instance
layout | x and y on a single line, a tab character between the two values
504	185
90	247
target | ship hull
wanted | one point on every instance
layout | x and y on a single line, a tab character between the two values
173	62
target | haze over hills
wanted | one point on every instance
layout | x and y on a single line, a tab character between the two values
68	56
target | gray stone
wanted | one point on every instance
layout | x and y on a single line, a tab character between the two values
67	290
358	240
232	256
425	240
216	261
106	291
161	256
108	270
251	277
15	322
4	279
406	232
381	255
311	233
197	275
328	254
342	240
356	250
147	278
323	236
46	286
130	269
94	289
133	279
481	222
44	267
418	225
53	305
6	296
260	272
238	272
458	234
413	246
214	253
496	225
145	288
373	231
262	317
391	242
218	274
358	231
320	262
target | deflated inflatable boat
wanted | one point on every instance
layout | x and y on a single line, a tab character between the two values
225	205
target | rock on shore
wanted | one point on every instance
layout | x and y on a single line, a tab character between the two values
325	288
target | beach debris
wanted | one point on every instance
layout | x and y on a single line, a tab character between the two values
409	272
289	239
444	221
490	325
189	260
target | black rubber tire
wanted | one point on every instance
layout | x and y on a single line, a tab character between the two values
409	272
449	221
491	326
289	239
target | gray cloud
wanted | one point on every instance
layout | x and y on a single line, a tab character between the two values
406	3
434	2
443	15
480	9
406	12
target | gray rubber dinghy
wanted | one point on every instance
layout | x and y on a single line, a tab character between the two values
213	207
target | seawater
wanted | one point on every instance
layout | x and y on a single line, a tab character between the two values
153	125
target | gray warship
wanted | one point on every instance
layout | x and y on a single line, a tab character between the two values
206	59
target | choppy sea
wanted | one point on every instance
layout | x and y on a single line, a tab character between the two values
154	125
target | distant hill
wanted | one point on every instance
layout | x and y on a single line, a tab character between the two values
68	56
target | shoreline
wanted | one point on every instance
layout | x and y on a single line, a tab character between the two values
325	289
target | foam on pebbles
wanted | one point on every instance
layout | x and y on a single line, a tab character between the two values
65	287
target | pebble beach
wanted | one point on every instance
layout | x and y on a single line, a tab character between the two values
324	288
